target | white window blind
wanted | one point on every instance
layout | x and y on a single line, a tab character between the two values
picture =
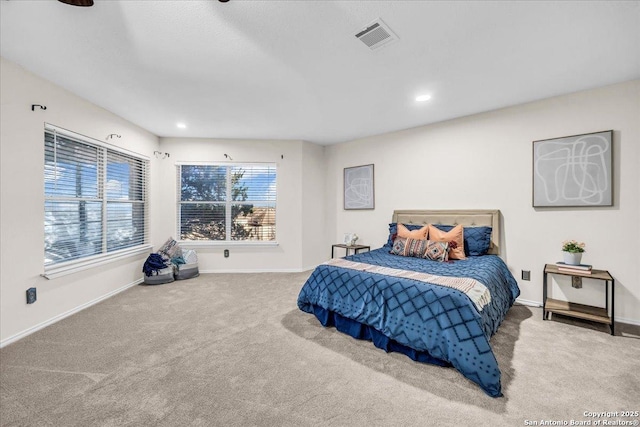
95	198
227	202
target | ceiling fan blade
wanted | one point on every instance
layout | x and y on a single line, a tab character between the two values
83	3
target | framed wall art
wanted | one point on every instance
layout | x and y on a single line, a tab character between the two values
573	171
359	187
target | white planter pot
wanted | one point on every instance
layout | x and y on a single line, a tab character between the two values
572	258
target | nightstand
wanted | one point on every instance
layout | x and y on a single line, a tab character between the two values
580	311
347	248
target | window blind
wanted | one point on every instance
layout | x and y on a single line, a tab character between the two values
95	198
227	202
125	190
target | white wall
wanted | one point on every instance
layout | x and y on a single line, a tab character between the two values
316	242
22	200
484	161
298	164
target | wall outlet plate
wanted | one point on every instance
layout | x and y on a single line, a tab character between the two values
31	295
226	253
526	275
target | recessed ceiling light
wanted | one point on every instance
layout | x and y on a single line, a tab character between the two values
181	125
423	98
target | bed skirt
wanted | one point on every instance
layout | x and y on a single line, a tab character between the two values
365	332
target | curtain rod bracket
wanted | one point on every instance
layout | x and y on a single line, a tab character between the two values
161	155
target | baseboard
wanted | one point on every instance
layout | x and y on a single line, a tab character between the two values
529	303
617	319
627	321
61	316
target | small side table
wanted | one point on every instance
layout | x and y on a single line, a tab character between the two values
580	311
347	248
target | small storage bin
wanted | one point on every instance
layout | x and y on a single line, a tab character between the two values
186	271
160	277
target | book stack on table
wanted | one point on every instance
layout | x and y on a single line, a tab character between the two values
574	268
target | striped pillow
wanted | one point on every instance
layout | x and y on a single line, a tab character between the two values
409	247
421	248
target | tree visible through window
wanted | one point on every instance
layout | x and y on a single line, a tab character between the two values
227	202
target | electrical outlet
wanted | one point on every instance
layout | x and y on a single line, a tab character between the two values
226	253
576	282
526	275
31	295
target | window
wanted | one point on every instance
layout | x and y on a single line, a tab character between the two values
95	198
227	202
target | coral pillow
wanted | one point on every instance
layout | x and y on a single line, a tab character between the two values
393	232
412	234
455	235
477	240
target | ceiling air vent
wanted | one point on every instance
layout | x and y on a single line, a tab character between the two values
376	35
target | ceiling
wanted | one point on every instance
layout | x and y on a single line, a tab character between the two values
295	70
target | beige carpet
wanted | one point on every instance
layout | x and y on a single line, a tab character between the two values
234	350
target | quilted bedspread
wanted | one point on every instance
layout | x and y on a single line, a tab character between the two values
427	317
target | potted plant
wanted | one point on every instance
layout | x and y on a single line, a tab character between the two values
572	252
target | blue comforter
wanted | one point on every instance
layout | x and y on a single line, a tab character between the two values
439	321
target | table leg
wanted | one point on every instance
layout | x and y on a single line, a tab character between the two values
613	300
544	295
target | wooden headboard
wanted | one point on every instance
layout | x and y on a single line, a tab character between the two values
471	217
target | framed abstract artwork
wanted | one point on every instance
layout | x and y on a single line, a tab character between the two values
573	171
359	187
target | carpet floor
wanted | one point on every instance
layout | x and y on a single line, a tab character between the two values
234	350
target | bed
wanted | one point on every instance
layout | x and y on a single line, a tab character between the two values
435	312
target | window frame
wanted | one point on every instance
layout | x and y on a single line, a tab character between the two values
57	269
227	203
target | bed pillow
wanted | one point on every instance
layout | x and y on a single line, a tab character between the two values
421	248
437	251
477	240
409	247
420	233
455	235
393	232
